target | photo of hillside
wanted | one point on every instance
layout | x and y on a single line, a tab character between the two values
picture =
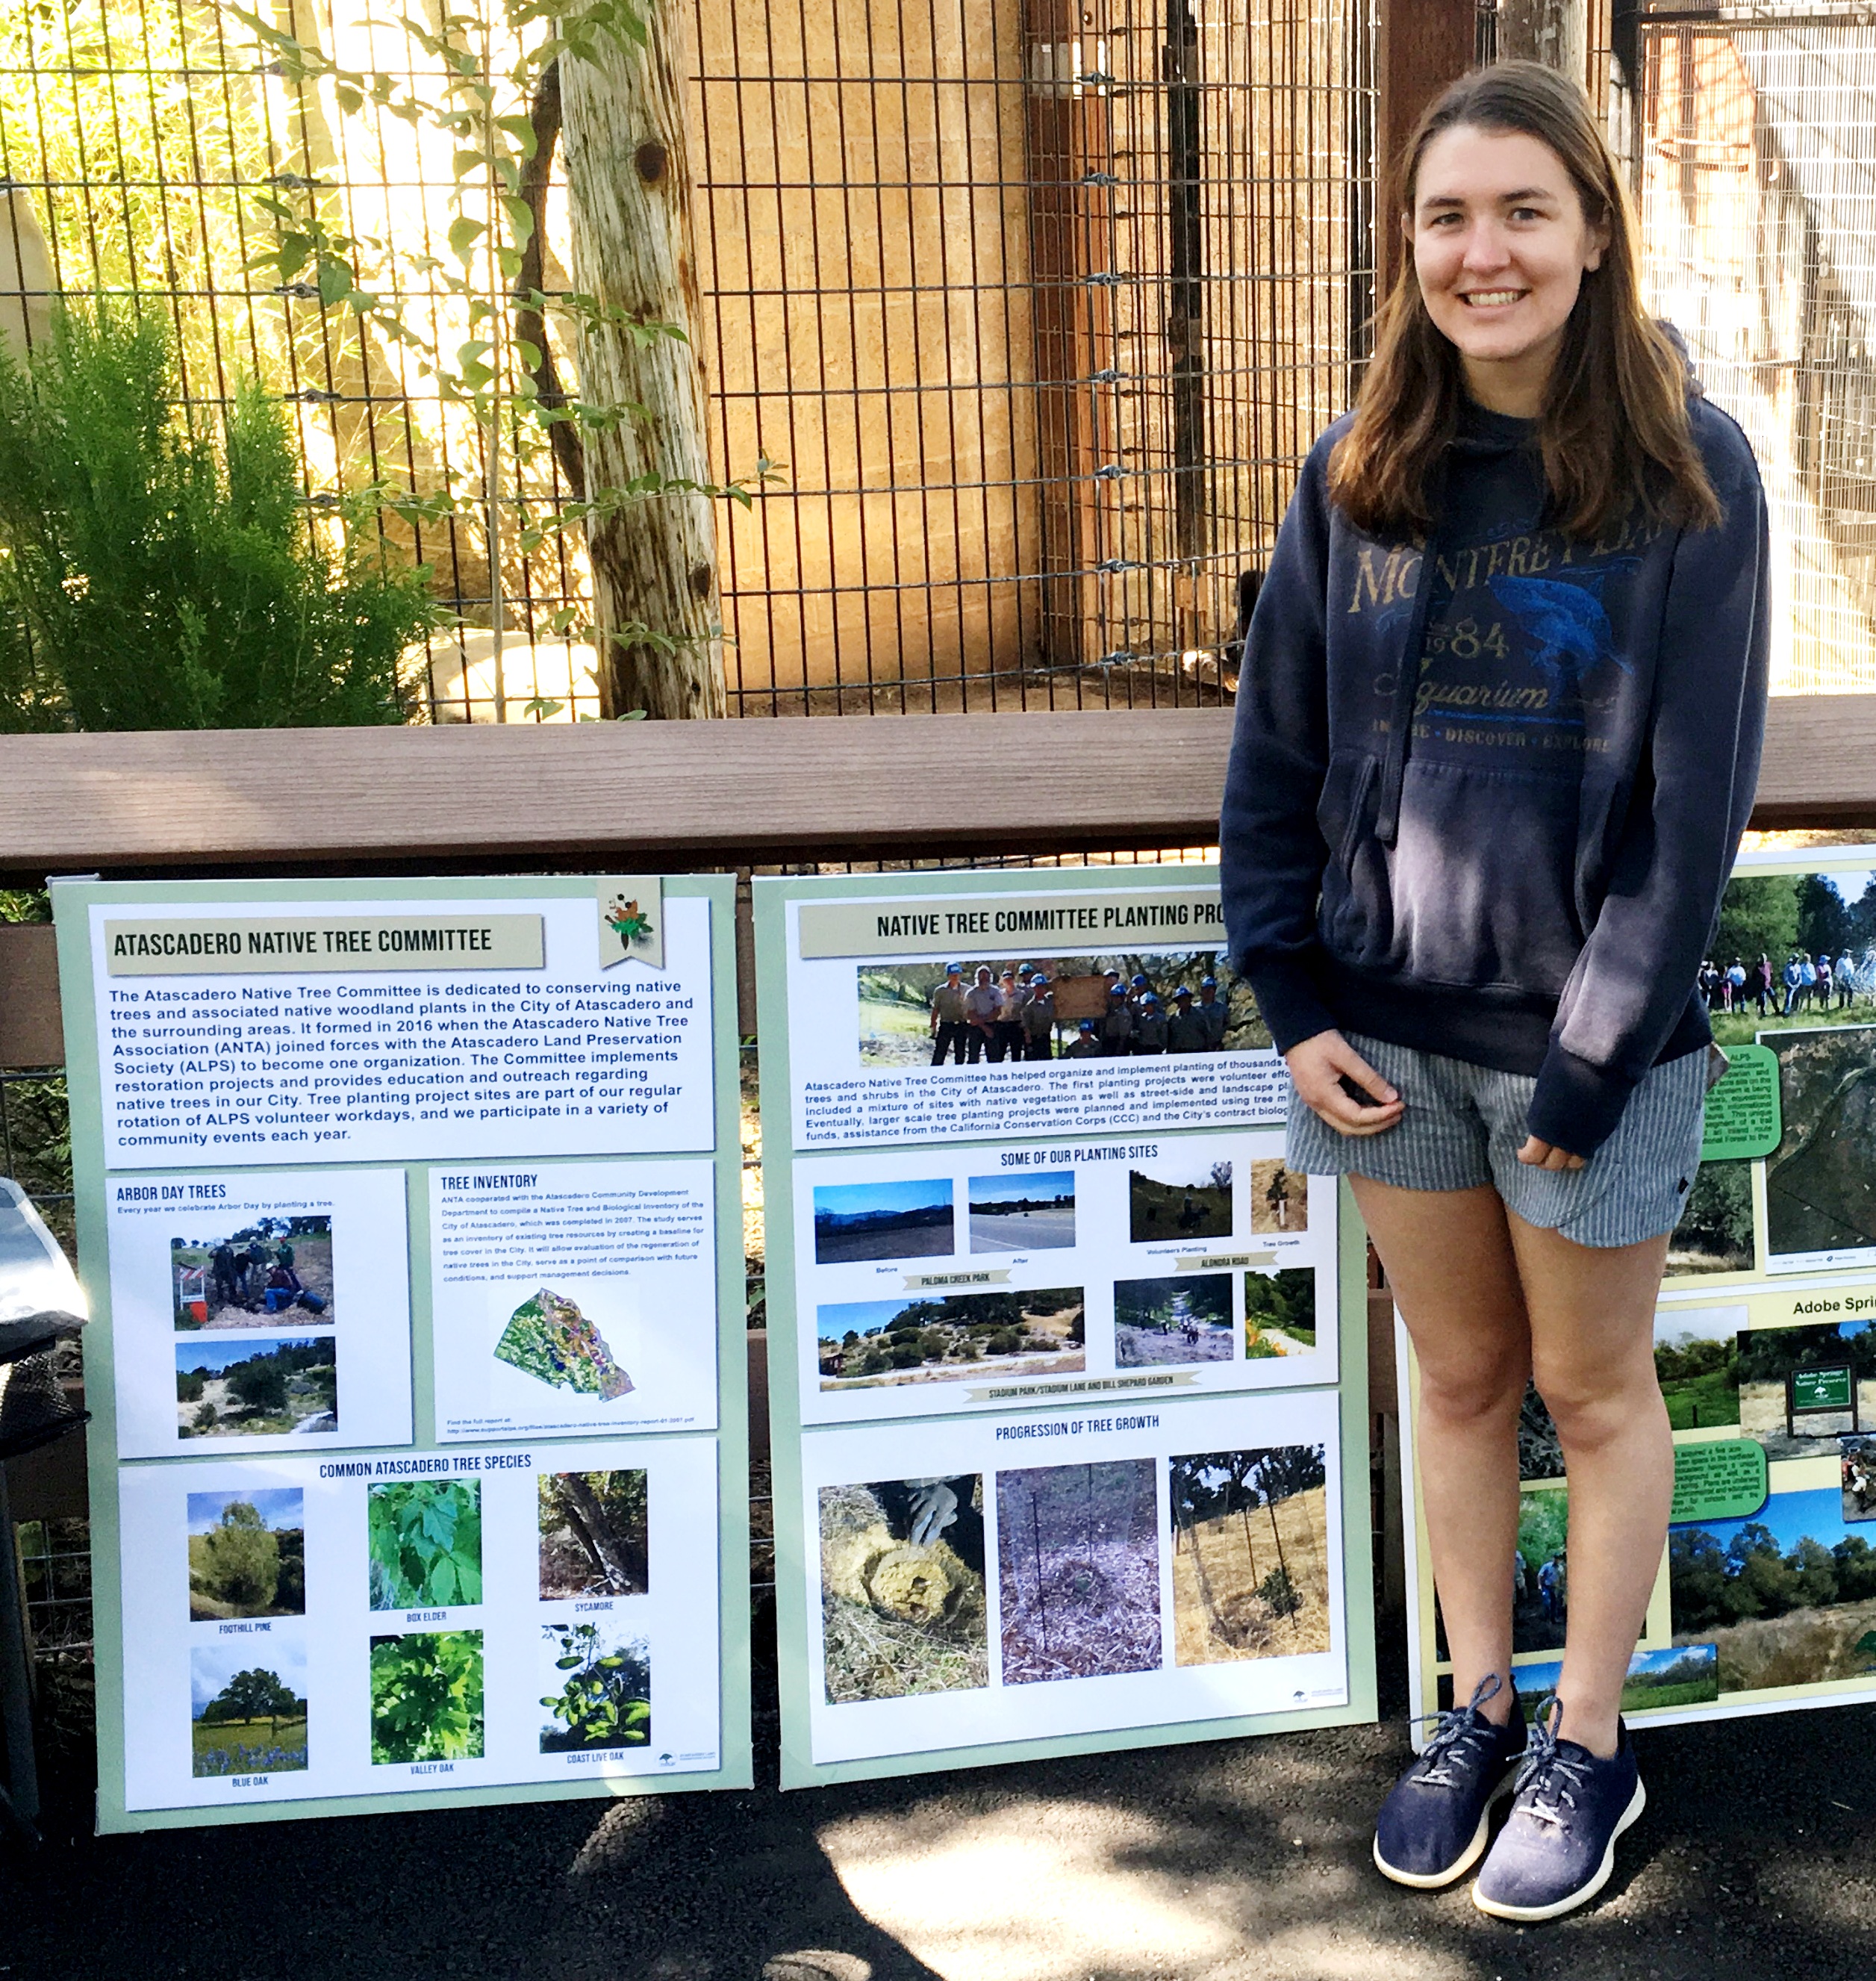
1185	1197
951	1337
855	1221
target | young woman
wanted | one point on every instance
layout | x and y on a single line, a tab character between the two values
1498	735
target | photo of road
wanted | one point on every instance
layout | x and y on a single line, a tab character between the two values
1022	1214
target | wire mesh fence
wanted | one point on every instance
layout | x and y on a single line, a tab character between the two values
1038	304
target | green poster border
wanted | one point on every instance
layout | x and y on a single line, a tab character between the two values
793	1559
72	901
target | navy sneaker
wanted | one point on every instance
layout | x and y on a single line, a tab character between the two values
1558	1846
1433	1825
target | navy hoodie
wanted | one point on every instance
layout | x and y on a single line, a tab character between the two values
1511	853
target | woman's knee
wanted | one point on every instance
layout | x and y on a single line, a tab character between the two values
1473	1390
1592	1406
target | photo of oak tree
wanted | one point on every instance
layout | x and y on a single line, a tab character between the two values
594	1534
1250	1559
1279	1313
903	1608
1787	1597
1183	1196
602	1695
247	1553
1186	1318
252	1389
247	1705
1714	1234
427	1697
1078	1562
424	1540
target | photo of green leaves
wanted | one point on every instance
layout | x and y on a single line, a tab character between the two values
604	1699
427	1697
425	1538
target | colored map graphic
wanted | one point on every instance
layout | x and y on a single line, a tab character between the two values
550	1339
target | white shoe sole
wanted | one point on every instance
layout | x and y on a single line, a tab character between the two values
1585	1893
1424	1881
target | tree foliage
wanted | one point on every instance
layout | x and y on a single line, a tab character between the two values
606	1699
427	1697
240	1558
1712	1584
156	575
425	1540
258	1694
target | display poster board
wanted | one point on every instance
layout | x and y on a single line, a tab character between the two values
1066	1373
409	1213
1765	1342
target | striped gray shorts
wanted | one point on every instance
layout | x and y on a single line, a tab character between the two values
1465	1125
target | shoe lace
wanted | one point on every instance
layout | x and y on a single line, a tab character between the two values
1546	1771
1453	1728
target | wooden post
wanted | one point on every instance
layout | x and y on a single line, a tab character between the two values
628	190
1554	32
1425	44
1071	205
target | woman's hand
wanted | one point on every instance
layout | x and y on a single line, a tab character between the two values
1318	1066
1546	1156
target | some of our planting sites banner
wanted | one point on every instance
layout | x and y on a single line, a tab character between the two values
1765	1342
409	1213
1061	1382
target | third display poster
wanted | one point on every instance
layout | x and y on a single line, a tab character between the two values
1065	1373
1765	1341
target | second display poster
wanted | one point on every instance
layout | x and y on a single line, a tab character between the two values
1066	1378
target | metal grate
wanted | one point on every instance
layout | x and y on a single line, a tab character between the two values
1040	305
1757	153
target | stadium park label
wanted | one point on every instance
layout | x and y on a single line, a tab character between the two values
224	947
1062	923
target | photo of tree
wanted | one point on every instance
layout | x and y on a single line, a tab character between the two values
427	1697
1821	1180
424	1539
1541	1569
950	1337
248	1707
253	1389
1714	1234
594	1534
855	1221
1279	1197
1250	1554
273	1265
903	1610
601	1688
1767	1357
247	1553
1183	1196
1787	1597
1078	1562
1279	1313
1184	1319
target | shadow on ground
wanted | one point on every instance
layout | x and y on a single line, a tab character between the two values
1223	1862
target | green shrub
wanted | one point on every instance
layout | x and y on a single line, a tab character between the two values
155	575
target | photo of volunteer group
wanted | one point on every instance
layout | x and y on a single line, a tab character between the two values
906	1567
271	1265
1794	968
998	1011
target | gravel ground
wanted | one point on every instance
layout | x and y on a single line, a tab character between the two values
1226	1862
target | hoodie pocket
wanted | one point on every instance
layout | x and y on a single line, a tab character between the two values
1344	817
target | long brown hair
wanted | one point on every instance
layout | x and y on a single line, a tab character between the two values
1614	426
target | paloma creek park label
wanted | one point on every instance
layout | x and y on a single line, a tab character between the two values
230	947
1072	922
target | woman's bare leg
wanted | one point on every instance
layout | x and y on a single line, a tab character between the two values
1591	1311
1454	1275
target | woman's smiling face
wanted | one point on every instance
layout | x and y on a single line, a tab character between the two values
1501	244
